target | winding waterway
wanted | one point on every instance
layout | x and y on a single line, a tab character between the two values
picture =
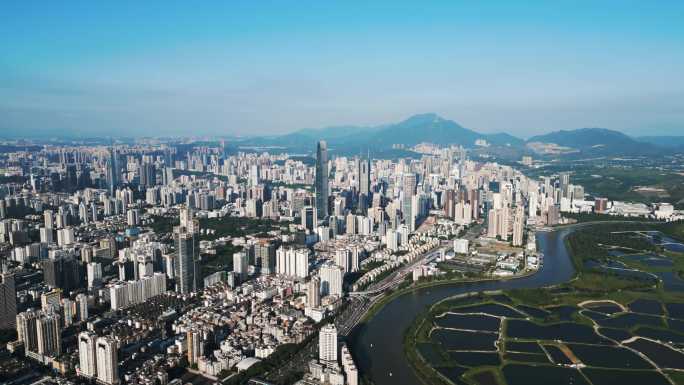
385	362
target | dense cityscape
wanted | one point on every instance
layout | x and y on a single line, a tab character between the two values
342	193
157	263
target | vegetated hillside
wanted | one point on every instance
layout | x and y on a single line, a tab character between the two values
597	141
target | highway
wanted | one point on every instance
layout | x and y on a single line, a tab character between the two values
353	311
363	301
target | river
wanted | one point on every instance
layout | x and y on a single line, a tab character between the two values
385	330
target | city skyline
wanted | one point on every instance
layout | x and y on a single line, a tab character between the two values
342	193
244	69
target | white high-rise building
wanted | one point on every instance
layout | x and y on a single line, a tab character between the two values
532	204
343	259
94	270
327	343
47	216
125	294
331	279
65	236
107	362
240	263
351	373
392	240
46	235
82	307
292	262
87	355
518	226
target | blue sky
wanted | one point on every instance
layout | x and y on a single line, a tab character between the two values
267	67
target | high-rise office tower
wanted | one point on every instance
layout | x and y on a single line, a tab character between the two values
409	188
86	354
107	362
186	239
321	183
364	184
8	301
113	170
327	343
309	218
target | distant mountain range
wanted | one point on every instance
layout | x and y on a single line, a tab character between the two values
597	142
432	128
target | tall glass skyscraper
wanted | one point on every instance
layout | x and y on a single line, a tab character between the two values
364	184
113	170
186	239
321	184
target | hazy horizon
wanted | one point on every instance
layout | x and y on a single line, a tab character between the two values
160	68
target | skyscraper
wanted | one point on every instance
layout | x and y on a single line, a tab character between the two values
321	183
327	343
8	301
186	240
107	362
409	188
364	184
308	218
113	170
